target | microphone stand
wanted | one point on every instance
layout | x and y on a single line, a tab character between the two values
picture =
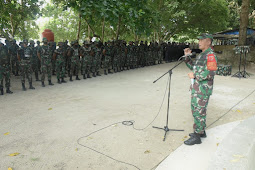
166	129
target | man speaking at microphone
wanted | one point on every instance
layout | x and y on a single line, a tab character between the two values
202	75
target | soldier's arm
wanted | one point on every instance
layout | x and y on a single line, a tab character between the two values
205	73
18	55
39	53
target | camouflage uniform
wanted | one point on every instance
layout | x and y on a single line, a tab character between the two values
34	59
74	52
60	63
4	69
38	61
14	60
201	89
115	56
25	56
96	60
44	53
86	52
107	58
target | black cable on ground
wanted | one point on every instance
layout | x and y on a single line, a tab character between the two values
131	123
126	123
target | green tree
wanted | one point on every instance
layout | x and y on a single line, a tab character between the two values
17	17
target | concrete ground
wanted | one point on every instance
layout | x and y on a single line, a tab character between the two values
42	126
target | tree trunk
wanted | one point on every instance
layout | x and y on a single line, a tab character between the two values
244	19
103	25
118	29
79	28
89	37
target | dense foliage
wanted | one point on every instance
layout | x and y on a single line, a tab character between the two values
152	20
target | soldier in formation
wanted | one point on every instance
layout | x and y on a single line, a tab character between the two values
87	60
4	69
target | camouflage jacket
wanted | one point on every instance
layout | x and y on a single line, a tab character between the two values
203	82
4	59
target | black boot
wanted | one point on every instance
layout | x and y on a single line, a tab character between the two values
114	70
105	72
31	86
8	91
84	76
36	77
194	139
59	82
50	83
201	135
94	74
62	80
77	78
23	87
43	85
71	78
88	76
2	91
109	71
98	74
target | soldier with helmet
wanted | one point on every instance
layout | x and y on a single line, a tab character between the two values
4	69
59	57
25	56
44	55
86	53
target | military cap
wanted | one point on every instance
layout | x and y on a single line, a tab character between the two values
72	42
44	39
86	42
31	42
204	36
25	41
37	42
60	43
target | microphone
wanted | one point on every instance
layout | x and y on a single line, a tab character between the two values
188	55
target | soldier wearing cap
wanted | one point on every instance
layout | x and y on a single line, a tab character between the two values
44	54
25	56
107	52
74	52
96	60
60	62
38	61
4	69
13	54
86	53
202	78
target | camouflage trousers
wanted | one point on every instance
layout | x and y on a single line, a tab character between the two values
95	66
35	65
86	66
198	108
46	69
26	71
4	74
14	64
75	67
60	69
106	63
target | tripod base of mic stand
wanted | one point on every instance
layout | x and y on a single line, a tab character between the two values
166	129
240	74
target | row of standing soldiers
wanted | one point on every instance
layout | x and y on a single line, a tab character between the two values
87	60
